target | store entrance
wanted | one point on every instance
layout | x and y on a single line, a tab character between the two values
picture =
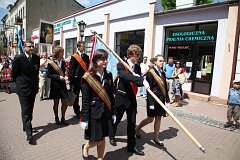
203	67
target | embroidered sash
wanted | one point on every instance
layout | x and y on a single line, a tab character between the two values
80	61
56	68
98	88
159	80
134	86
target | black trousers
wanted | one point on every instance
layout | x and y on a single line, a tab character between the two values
77	89
131	123
27	104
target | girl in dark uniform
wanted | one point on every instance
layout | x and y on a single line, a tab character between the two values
157	81
97	104
56	72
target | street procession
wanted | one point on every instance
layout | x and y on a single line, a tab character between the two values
157	80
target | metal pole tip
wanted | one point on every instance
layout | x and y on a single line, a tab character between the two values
202	149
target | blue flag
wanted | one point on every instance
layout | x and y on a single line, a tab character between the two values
20	41
113	61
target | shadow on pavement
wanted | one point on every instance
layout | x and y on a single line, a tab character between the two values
52	126
118	154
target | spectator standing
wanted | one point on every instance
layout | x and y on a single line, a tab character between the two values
78	66
233	105
5	73
25	72
168	69
144	69
44	81
176	85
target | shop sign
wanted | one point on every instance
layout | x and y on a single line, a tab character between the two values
57	26
190	36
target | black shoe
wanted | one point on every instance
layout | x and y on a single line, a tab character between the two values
84	158
41	98
138	136
160	144
136	151
64	122
113	142
29	138
57	121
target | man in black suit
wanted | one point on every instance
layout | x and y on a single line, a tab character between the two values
125	99
25	73
78	65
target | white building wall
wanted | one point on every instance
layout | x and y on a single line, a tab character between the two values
219	57
218	14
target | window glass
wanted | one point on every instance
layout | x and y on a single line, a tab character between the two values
88	45
125	39
71	45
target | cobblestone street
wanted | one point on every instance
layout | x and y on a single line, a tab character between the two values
203	119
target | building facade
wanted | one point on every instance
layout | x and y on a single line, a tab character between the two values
205	38
25	15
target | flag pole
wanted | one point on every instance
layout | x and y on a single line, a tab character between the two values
157	99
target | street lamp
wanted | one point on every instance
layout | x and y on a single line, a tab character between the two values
82	26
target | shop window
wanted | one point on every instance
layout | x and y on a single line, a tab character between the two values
125	39
194	46
71	45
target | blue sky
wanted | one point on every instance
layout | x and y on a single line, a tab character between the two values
4	4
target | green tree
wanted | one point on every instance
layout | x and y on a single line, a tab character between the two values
200	2
169	4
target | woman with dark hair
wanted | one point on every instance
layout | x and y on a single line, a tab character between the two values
97	104
157	82
176	85
56	72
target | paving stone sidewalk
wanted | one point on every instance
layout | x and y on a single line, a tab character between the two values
64	142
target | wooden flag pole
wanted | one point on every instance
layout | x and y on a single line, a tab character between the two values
158	100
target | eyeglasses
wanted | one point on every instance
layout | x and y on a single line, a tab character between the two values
30	46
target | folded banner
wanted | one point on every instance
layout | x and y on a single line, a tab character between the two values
113	61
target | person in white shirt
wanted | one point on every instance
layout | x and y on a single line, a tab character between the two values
144	69
44	81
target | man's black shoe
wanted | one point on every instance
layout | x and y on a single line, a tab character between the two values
113	142
29	138
136	151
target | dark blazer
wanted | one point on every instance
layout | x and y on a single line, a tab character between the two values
55	77
92	104
25	74
124	92
156	90
76	71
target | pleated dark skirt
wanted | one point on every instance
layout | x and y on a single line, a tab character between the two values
58	93
97	129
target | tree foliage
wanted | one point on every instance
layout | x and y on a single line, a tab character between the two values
171	4
200	2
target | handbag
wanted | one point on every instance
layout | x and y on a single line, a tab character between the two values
71	98
182	78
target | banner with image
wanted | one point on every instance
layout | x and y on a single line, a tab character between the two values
46	34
